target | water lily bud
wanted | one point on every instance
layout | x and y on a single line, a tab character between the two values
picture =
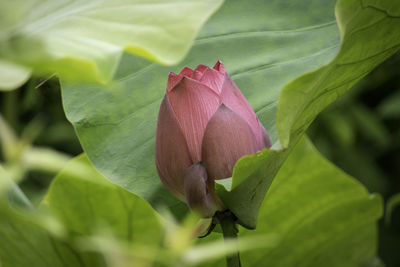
205	125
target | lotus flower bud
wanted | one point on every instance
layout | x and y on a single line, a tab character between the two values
205	125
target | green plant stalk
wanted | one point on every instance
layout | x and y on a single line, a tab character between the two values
229	230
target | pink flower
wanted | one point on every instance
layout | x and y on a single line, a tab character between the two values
205	125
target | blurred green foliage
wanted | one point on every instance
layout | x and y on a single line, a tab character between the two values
35	115
360	133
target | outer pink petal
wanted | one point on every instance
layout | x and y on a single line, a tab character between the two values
213	79
193	104
235	100
171	152
227	138
198	197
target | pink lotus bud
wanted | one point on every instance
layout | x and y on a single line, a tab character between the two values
205	125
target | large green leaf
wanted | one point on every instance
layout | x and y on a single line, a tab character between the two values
320	215
89	203
370	33
257	41
265	45
84	39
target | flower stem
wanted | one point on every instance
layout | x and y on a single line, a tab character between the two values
229	230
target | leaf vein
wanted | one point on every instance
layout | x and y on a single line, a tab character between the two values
260	33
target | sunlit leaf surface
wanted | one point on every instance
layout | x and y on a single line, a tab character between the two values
84	39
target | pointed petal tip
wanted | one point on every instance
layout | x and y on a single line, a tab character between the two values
178	82
173	79
219	66
188	82
186	72
213	79
201	68
216	66
183	82
222	106
185	79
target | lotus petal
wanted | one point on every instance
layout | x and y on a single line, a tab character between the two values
197	195
235	100
213	79
171	152
193	104
197	75
201	68
220	67
227	138
186	72
173	78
